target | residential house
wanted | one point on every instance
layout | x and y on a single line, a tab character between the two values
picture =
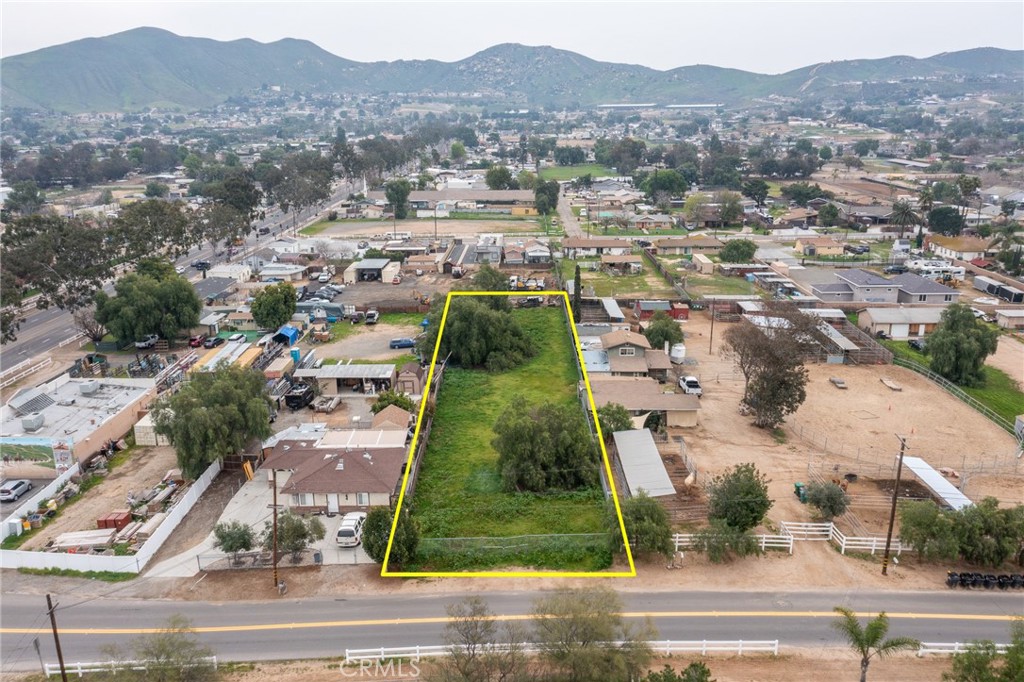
657	221
427	263
242	320
899	323
215	290
411	378
688	246
818	246
278	272
625	264
916	289
643	396
488	248
644	310
240	272
581	247
862	285
333	480
865	215
959	248
630	354
797	217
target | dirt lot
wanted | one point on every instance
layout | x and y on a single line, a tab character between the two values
425	228
145	468
1009	357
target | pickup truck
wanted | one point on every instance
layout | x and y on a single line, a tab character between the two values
147	342
691	385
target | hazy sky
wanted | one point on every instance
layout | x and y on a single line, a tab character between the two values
763	36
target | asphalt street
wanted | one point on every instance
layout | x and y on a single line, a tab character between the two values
295	629
44	330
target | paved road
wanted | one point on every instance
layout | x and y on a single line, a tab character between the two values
43	330
290	628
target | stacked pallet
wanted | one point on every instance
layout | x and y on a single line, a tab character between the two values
83	540
150	527
129	531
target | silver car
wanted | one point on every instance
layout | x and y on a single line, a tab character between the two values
10	491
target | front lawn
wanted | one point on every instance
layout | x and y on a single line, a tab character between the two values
458	493
703	285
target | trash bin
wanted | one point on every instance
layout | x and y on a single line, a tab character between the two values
318	557
800	490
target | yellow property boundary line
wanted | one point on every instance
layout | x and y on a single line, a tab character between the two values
631	573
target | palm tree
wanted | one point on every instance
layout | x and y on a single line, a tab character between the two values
870	640
903	215
925	203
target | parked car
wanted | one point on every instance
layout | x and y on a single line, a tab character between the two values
372	316
350	532
402	343
10	491
197	340
396	280
895	269
213	342
917	344
324	277
201	264
180	269
148	342
236	337
263	231
364	245
691	385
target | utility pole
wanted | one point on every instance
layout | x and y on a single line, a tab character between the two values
50	608
274	550
892	512
711	336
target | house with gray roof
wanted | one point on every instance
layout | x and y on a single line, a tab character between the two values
862	285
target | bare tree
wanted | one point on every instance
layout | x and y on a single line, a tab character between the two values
85	322
479	650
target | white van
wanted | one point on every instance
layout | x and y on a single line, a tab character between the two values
324	277
350	532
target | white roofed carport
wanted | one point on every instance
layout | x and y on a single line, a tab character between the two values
641	463
937	483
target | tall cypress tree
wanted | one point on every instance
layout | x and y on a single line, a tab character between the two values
577	295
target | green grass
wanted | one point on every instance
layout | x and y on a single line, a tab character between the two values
1000	393
458	493
397	360
406	319
105	576
701	285
570	172
318	227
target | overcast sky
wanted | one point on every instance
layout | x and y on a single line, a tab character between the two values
762	36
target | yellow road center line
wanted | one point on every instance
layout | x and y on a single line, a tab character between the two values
442	619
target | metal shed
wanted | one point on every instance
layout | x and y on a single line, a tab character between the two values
641	463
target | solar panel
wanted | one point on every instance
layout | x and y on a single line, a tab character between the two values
32	400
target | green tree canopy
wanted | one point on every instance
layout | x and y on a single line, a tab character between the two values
545	447
305	180
613	417
215	414
988	534
157	190
145	305
647	526
930	530
274	305
667	181
294	533
738	251
756	190
946	220
982	663
377	530
397	193
828	215
730	206
234	537
802	192
663	329
385	398
546	196
583	636
959	346
739	497
499	177
477	336
25	198
828	498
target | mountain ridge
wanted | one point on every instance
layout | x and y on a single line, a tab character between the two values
153	68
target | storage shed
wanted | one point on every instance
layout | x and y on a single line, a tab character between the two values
145	432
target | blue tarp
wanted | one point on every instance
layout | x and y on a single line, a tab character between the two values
287	334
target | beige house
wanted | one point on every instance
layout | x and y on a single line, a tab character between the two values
642	396
392	418
818	246
688	246
410	379
1010	319
631	355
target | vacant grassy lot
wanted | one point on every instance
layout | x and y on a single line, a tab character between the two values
570	172
458	493
702	285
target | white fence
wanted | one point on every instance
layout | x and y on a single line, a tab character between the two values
12	526
81	669
685	541
115	564
950	648
22	370
666	647
827	532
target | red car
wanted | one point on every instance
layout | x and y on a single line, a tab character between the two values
197	340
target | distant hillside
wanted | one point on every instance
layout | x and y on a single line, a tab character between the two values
149	67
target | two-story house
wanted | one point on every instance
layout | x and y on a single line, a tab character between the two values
862	285
630	354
